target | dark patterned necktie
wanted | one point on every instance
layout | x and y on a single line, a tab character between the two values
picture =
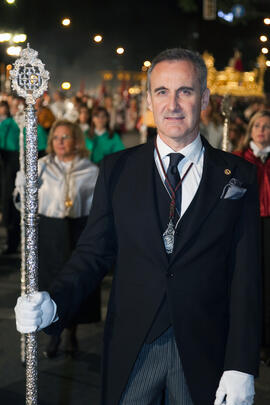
174	178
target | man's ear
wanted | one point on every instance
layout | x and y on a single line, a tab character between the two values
149	101
205	99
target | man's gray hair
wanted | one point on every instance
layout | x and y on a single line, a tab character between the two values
178	54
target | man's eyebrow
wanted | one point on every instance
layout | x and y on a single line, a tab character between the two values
160	88
185	88
179	89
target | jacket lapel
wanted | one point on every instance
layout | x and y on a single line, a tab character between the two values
146	200
214	178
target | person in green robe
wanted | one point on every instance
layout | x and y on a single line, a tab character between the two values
104	140
9	153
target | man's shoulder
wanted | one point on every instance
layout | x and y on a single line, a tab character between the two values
126	155
230	160
238	160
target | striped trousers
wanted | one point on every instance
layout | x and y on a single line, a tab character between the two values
157	376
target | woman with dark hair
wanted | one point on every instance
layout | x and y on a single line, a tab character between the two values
104	140
256	149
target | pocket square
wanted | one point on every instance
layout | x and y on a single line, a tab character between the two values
233	190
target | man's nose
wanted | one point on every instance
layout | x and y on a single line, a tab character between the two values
173	102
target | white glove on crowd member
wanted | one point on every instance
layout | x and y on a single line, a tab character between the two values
238	388
35	312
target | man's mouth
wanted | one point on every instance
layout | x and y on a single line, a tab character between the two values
171	118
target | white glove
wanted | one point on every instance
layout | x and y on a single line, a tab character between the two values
238	388
34	312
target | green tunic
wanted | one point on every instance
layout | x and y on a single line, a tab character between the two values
9	135
88	141
102	145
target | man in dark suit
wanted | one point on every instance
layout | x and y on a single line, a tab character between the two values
179	219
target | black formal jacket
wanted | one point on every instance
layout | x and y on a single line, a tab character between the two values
212	280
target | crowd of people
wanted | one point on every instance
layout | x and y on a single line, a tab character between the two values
179	221
86	124
74	135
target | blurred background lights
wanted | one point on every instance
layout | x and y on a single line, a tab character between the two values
267	21
9	67
98	38
66	85
267	63
14	50
19	38
147	63
225	16
10	1
134	90
265	50
263	38
5	36
66	22
120	50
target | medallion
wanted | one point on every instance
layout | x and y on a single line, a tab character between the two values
68	203
168	237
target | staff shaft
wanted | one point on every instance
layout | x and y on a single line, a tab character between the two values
31	245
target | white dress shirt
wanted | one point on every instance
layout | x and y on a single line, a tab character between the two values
194	153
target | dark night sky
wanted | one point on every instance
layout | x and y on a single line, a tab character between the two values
142	27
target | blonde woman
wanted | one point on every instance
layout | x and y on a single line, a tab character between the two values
256	149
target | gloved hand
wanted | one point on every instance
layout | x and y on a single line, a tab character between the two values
238	388
34	312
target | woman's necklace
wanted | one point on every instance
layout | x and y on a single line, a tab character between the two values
67	179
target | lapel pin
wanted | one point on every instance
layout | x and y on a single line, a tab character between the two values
227	172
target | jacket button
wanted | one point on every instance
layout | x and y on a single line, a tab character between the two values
170	275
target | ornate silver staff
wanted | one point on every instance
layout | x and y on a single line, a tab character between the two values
30	80
226	108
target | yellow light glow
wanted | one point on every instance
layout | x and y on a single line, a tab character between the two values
10	1
66	22
134	90
5	36
267	21
66	85
107	76
147	63
98	38
9	67
19	38
265	50
267	63
14	50
120	50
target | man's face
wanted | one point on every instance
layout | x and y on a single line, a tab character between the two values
176	101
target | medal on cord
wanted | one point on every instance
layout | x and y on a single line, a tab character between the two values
169	234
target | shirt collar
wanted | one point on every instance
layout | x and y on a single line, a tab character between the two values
192	151
259	152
